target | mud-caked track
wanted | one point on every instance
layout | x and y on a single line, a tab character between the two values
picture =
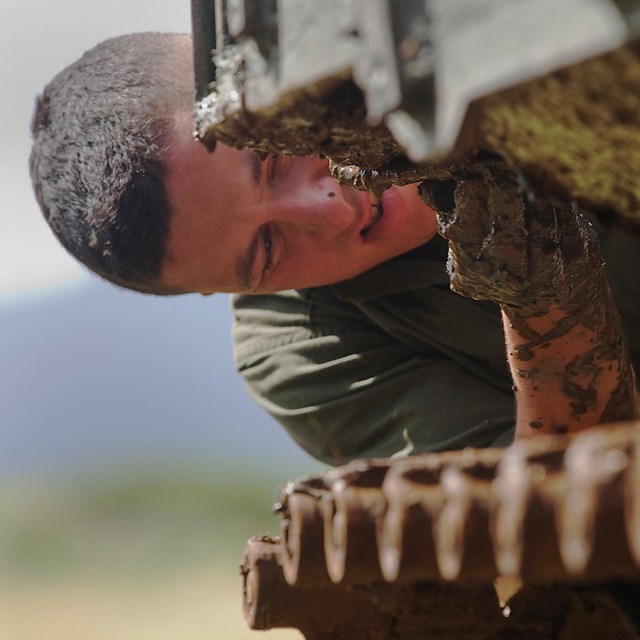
435	530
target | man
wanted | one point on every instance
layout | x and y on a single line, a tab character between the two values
346	331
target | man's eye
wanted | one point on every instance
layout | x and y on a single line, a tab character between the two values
268	254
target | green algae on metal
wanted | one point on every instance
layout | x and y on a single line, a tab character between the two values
575	133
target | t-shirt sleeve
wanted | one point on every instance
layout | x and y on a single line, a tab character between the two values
344	388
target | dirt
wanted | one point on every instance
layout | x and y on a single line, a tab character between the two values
326	119
530	252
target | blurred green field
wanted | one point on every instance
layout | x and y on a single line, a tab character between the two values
131	554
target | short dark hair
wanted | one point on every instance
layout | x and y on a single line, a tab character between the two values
100	131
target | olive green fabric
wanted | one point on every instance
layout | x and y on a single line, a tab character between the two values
389	362
392	362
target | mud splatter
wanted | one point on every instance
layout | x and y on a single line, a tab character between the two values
531	253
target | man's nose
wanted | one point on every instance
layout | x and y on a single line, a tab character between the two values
317	207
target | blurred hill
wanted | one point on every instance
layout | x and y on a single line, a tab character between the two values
91	375
133	464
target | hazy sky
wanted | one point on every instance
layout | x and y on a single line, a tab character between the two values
37	39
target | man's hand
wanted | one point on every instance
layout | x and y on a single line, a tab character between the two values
505	244
540	260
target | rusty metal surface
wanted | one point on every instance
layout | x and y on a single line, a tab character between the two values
538	541
536	510
323	610
419	611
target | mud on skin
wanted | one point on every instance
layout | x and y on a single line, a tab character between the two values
400	171
529	253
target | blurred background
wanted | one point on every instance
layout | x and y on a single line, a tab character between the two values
133	466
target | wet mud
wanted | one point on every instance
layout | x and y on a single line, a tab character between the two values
531	253
399	171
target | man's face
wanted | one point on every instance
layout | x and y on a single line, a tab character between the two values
249	226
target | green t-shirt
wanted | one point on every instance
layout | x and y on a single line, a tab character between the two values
392	362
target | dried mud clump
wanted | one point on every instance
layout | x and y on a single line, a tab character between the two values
327	119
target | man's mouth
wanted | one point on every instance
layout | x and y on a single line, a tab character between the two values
376	214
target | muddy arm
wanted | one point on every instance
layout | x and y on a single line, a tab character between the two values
540	260
569	373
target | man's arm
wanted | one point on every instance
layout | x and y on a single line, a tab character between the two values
540	261
567	379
